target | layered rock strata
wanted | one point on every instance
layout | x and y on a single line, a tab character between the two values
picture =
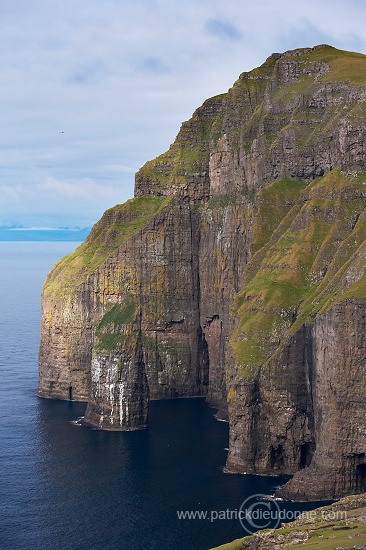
236	273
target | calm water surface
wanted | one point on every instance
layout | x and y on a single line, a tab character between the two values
67	487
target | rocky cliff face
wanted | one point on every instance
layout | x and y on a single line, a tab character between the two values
238	272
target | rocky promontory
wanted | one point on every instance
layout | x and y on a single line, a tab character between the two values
238	273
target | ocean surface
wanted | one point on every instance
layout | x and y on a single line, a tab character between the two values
63	486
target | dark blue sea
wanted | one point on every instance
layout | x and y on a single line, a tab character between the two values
63	486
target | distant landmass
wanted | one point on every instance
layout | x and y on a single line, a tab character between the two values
14	233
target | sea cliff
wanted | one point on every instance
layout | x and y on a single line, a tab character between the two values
238	273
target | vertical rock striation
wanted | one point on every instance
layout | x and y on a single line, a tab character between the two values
236	273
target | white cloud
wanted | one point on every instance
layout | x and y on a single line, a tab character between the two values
84	190
34	229
119	77
57	202
116	167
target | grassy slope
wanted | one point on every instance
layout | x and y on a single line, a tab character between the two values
344	66
324	530
115	227
317	229
111	330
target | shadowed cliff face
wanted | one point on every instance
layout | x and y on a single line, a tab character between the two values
237	273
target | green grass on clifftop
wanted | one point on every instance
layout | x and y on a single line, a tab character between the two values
117	225
344	66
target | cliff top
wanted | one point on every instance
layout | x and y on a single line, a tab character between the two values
342	65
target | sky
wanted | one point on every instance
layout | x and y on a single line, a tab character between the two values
92	89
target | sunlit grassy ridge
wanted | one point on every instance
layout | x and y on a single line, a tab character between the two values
117	225
344	66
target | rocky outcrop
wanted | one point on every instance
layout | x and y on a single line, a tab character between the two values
237	273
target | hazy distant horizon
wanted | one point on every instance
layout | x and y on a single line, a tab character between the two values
43	234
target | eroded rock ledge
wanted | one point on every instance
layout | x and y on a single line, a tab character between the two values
237	273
